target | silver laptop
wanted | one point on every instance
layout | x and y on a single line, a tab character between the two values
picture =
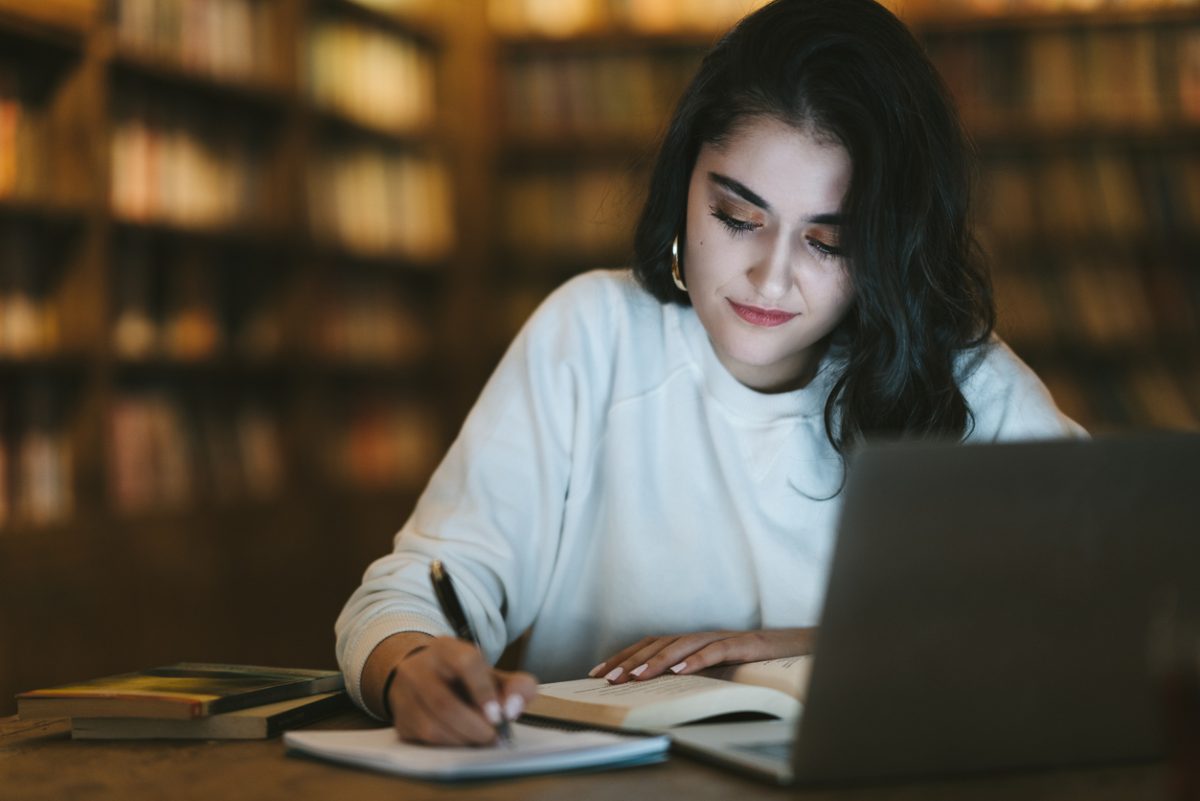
993	607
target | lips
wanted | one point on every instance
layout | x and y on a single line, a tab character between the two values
764	318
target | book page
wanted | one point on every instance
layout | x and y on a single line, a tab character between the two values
630	694
788	674
534	750
657	703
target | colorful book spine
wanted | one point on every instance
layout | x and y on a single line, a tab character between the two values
373	76
230	39
384	443
379	202
370	321
171	165
167	453
597	95
1132	77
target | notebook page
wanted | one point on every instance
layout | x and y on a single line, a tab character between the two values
534	750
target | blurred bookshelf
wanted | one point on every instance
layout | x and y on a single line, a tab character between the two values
1085	115
257	258
226	230
1087	126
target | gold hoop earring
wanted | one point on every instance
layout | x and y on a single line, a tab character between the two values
675	276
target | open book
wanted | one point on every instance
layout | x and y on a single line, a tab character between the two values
773	688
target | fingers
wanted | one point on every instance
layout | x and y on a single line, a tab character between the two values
690	653
447	694
516	691
617	667
673	652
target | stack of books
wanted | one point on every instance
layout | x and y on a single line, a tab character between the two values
190	701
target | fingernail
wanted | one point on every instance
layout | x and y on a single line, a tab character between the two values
514	705
594	672
614	674
491	711
639	670
678	668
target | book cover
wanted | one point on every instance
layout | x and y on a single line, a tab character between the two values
252	723
180	691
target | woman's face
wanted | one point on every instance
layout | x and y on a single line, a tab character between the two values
762	261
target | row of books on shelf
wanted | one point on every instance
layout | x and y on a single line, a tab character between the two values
188	308
372	75
36	458
167	451
955	9
171	163
598	94
21	131
231	39
1062	78
183	308
575	214
573	17
1103	302
372	321
384	443
1104	193
377	201
29	321
1148	395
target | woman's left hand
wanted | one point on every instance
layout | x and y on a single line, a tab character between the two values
690	653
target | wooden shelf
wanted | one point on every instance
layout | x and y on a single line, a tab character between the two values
403	264
249	91
952	25
1138	135
231	366
523	149
57	38
63	363
415	26
247	235
336	122
607	40
35	210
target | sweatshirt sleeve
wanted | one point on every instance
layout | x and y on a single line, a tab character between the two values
1008	401
493	509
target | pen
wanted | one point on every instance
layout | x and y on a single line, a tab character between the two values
452	609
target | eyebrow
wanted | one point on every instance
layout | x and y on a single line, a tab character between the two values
749	195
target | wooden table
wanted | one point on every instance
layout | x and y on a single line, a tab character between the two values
39	762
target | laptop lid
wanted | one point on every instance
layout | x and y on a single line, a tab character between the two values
994	606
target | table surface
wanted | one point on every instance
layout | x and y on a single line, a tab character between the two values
38	760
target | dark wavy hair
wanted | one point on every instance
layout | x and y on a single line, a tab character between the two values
851	72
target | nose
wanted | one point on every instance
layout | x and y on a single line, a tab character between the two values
771	274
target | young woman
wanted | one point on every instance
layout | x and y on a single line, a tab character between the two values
649	481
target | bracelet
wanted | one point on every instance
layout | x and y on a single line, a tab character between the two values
387	687
387	684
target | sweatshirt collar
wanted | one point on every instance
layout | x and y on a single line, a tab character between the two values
736	397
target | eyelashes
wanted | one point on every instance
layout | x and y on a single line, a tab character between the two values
735	226
738	227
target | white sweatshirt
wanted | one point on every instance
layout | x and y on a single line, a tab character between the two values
614	481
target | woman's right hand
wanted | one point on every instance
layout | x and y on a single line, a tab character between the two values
443	692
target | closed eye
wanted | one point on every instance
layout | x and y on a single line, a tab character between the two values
736	226
824	249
